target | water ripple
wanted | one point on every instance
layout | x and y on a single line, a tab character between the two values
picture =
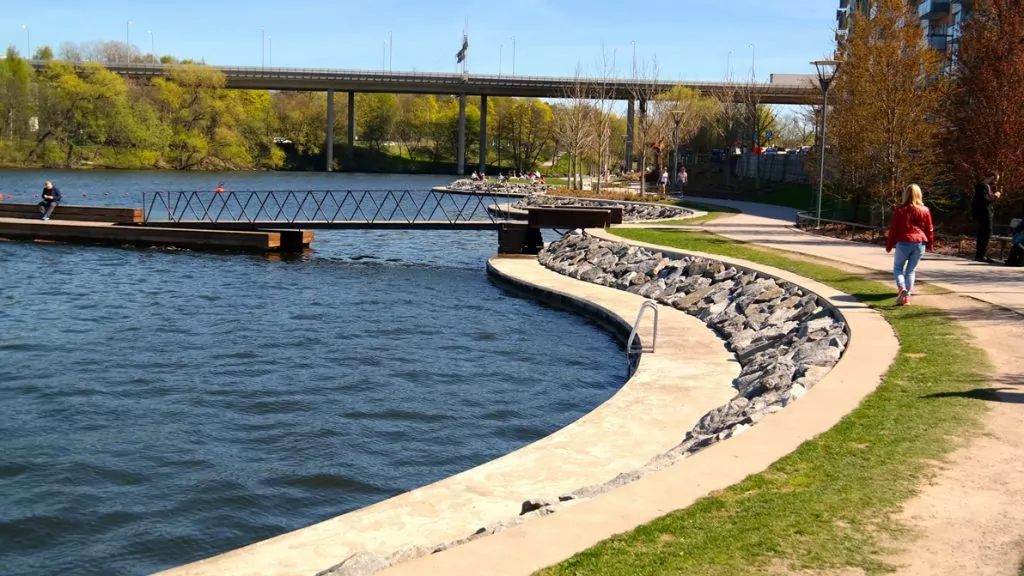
162	406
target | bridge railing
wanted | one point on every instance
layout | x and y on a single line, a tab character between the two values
268	207
146	69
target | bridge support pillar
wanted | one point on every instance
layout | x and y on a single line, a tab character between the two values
483	134
351	125
329	150
460	168
630	114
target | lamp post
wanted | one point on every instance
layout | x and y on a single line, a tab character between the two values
728	67
634	58
263	47
152	46
384	58
827	70
391	53
501	48
270	51
127	43
513	56
28	41
753	60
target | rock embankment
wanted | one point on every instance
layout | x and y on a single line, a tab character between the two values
495	187
631	211
785	338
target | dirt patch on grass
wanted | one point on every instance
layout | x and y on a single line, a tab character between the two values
968	518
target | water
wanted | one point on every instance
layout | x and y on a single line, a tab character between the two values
162	406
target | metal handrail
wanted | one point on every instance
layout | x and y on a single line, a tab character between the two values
880	231
647	304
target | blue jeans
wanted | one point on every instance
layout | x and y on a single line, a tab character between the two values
908	254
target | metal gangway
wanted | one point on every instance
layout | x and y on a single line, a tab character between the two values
381	209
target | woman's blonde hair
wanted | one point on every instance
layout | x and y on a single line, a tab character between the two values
913	195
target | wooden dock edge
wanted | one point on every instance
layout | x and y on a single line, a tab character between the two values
147	236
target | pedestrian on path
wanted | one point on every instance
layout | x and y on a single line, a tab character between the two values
910	233
983	209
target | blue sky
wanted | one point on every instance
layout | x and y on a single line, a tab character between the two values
691	39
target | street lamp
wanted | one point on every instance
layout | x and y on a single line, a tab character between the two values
28	41
501	49
827	70
270	51
127	44
152	46
513	56
263	47
634	58
753	59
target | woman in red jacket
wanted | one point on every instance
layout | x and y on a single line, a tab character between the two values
911	233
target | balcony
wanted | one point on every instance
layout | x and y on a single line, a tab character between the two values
842	21
933	10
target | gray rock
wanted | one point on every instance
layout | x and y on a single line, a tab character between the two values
535	504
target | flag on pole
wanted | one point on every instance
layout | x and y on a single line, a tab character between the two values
460	56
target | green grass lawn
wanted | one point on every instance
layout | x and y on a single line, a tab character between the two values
829	504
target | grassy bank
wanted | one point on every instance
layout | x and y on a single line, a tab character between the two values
829	504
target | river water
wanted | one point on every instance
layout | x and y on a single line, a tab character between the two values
162	406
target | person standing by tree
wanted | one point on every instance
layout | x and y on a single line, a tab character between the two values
983	210
910	233
51	199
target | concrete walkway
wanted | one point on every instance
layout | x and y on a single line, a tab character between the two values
773	227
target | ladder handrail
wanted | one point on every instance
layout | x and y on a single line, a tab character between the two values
647	304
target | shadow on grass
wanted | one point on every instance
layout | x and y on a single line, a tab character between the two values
986	394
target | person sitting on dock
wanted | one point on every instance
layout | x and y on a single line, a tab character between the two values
51	199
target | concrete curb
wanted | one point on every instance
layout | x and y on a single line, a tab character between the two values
545	541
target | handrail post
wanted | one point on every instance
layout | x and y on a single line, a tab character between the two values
647	304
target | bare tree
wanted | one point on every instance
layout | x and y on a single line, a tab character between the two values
602	103
644	89
574	126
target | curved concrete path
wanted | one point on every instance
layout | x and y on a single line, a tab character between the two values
774	227
542	542
690	374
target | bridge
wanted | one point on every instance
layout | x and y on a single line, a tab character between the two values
781	89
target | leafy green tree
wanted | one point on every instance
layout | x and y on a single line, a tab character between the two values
78	111
191	101
377	115
43	53
529	124
302	119
256	124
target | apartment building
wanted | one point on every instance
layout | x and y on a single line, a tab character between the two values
941	21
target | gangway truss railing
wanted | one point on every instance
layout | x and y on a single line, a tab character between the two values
324	207
634	349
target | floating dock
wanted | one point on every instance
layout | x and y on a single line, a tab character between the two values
123	227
